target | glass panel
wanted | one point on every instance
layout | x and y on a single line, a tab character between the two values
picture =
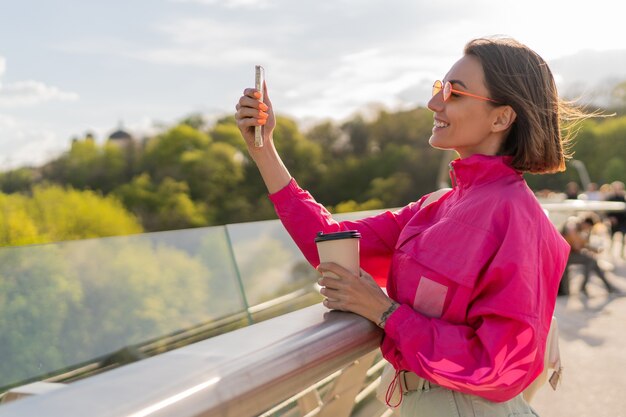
270	263
76	302
69	303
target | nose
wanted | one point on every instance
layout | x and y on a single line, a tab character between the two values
436	102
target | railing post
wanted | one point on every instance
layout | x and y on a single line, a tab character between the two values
242	289
339	401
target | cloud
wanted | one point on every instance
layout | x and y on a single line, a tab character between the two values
22	144
255	4
30	92
210	43
387	76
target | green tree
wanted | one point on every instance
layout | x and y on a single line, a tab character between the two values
212	173
226	131
615	170
88	165
53	213
17	227
165	206
67	214
358	135
330	137
350	206
18	180
163	155
195	120
302	156
392	191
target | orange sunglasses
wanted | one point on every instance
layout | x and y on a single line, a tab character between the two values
448	90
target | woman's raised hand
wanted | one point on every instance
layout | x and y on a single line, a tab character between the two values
252	112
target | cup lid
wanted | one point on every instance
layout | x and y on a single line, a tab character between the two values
346	234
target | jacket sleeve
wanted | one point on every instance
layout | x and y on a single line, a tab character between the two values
498	350
303	218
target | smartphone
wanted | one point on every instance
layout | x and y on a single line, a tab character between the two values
259	77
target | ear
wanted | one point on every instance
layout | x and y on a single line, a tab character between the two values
504	117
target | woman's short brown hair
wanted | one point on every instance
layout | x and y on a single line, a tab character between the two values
517	76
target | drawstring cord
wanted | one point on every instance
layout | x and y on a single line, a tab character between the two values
395	383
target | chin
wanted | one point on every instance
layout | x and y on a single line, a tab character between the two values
437	144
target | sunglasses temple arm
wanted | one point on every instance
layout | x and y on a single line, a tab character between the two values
474	95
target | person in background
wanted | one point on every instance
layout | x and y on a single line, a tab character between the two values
606	190
577	233
618	219
572	190
592	193
471	273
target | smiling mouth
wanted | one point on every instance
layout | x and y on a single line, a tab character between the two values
441	124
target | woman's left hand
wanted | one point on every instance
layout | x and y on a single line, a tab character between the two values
348	292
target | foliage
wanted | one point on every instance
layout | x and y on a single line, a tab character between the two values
195	174
164	206
20	179
52	213
89	166
350	206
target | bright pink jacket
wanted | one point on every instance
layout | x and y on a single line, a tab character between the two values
476	274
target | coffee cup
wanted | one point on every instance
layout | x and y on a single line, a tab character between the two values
341	248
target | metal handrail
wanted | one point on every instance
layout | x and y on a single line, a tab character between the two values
294	300
237	374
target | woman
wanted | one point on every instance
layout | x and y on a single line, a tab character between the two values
472	278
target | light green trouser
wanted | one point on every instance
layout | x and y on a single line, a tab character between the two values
439	402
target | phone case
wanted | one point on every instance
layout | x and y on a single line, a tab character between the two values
259	76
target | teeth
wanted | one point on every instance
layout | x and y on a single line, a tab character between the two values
441	124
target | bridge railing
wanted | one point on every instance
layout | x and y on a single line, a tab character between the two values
246	371
321	357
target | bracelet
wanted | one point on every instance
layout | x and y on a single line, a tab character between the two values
387	313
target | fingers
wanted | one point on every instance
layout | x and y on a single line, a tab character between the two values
331	294
250	111
333	304
252	93
332	282
246	101
247	122
337	285
335	269
247	112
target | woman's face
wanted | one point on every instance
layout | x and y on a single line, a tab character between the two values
464	123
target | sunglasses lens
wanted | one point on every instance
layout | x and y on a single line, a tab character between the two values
436	87
447	89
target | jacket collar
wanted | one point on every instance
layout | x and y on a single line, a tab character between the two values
480	169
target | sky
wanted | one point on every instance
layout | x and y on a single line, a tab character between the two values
76	66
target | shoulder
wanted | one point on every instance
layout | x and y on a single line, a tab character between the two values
503	209
434	196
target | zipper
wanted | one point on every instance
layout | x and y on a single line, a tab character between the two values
453	176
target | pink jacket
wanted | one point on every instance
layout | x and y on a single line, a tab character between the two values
476	274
